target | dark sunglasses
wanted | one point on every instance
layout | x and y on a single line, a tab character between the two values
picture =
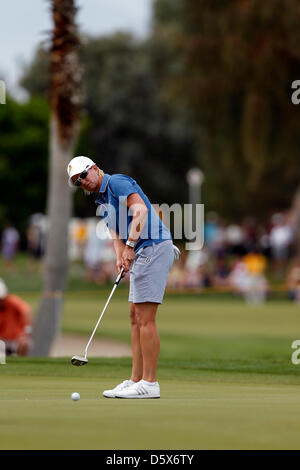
82	176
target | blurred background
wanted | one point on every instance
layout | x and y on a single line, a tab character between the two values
168	86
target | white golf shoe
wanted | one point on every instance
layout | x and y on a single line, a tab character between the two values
140	389
122	386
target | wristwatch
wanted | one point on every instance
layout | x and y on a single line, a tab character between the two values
131	243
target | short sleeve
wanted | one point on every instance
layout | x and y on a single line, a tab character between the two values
122	185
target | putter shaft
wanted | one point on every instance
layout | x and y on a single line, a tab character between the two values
76	360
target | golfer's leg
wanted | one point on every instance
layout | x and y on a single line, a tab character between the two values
137	358
149	338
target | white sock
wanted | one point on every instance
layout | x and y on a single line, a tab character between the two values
148	383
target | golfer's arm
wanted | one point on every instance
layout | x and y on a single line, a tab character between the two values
118	243
139	213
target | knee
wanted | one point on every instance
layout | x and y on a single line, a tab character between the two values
143	318
133	317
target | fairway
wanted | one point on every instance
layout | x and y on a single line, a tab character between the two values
225	371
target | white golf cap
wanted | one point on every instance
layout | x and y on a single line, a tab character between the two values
78	164
3	289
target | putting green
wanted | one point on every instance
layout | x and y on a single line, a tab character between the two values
225	412
225	371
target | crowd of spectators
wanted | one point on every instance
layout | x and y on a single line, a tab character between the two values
241	257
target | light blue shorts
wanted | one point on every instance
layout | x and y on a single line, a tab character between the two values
149	272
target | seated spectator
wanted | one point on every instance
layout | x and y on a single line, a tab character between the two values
238	278
247	277
15	323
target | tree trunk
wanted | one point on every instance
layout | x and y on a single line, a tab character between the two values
65	99
47	323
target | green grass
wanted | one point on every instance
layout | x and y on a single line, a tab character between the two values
225	371
212	413
196	332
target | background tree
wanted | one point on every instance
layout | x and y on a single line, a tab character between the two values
235	62
65	99
23	160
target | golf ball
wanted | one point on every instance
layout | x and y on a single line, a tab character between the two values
75	396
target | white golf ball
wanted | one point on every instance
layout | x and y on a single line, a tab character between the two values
75	396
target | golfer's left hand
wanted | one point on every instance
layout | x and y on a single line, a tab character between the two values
128	256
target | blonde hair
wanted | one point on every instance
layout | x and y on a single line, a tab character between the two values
100	172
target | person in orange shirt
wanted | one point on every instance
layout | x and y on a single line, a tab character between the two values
15	322
255	263
257	287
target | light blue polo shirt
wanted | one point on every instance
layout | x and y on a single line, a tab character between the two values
112	202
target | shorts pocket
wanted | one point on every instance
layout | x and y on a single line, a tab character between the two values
144	256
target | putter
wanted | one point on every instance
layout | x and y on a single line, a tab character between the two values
82	360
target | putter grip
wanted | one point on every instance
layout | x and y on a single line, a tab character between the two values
119	277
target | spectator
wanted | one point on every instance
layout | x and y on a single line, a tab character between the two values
235	239
255	263
80	235
36	235
281	238
210	230
9	244
99	255
34	241
239	277
264	241
15	322
195	260
219	246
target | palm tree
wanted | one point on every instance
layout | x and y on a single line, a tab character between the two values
65	101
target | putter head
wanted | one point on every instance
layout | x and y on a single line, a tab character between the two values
79	361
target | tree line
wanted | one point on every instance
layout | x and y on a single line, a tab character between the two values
209	87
